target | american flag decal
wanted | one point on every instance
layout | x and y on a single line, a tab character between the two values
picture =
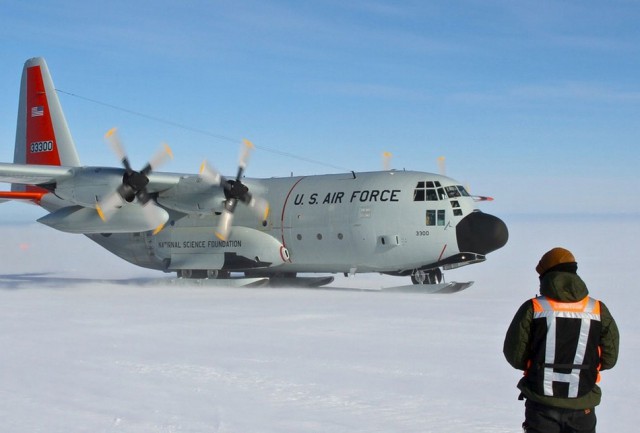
37	111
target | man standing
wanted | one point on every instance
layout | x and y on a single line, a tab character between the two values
562	339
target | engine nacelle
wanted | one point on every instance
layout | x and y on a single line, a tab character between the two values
131	218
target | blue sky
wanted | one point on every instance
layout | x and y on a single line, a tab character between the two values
536	103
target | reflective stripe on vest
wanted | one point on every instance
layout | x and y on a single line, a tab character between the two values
586	310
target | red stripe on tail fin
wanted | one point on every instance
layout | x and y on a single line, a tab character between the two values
41	145
42	133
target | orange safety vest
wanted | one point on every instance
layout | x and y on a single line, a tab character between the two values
565	347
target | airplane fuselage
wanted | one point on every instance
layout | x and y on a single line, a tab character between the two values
388	221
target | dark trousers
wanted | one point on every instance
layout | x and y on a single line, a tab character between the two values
547	419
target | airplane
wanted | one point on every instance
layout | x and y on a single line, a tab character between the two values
207	226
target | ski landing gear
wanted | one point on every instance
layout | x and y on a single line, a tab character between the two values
211	277
198	274
431	276
429	281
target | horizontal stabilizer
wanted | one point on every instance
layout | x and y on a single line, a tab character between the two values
35	196
33	174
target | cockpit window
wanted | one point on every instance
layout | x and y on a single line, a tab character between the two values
463	191
452	191
429	191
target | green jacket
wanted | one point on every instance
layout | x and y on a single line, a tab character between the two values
563	287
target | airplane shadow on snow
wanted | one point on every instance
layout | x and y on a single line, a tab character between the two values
49	280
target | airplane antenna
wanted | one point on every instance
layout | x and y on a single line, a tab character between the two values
200	131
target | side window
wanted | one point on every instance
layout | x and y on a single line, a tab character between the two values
431	218
434	217
455	204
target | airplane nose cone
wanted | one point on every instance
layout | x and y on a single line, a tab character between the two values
481	233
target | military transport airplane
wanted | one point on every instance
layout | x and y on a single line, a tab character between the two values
204	225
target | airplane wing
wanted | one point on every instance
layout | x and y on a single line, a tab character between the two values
31	174
82	191
178	191
77	189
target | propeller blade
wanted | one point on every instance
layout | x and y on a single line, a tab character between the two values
155	216
162	156
245	153
442	166
210	174
112	137
386	160
109	205
224	227
260	207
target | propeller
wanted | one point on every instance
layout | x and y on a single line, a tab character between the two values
134	183
442	165
386	160
234	191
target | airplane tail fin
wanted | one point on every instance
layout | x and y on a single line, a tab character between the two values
42	133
